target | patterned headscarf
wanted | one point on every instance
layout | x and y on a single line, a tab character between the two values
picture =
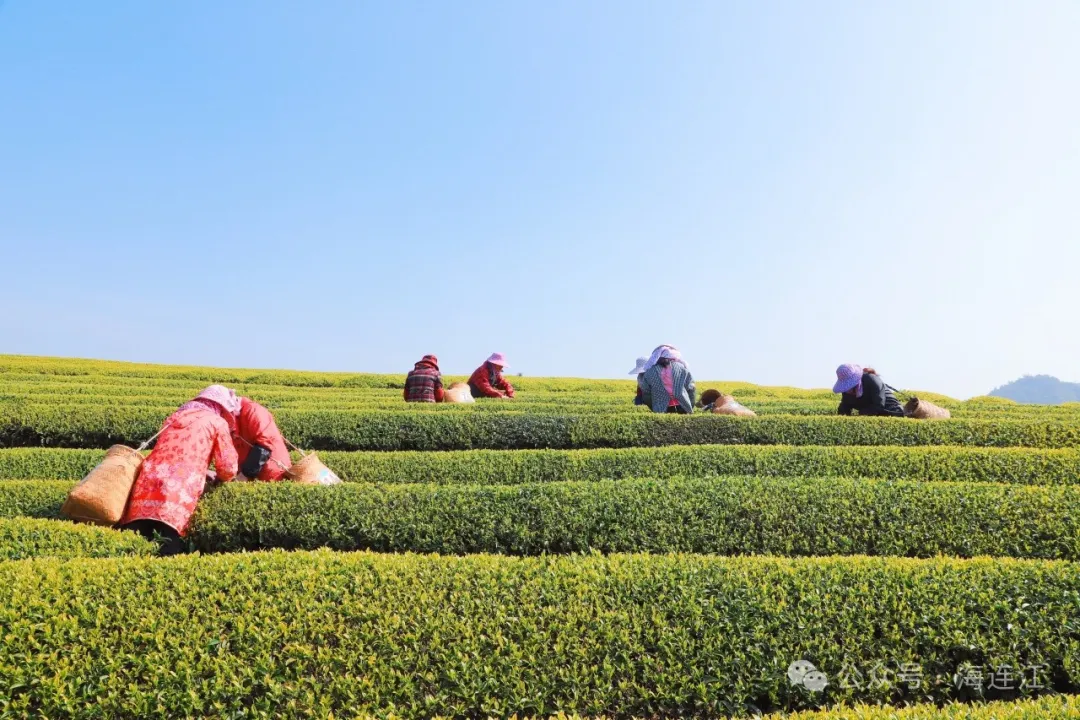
223	396
217	399
666	352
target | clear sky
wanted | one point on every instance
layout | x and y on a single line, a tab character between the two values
774	187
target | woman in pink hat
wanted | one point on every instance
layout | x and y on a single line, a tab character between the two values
488	380
862	389
174	476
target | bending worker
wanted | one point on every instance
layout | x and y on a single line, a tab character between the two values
862	389
488	380
260	444
173	476
668	386
424	382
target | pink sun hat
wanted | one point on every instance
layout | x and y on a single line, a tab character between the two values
223	396
848	377
498	359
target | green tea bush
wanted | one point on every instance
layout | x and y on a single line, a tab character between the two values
33	498
498	467
715	515
277	398
50	463
724	516
88	426
299	634
1056	707
34	538
502	467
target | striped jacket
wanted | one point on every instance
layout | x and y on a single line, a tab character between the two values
656	395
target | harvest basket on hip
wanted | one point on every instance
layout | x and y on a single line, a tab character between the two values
459	392
717	403
731	406
925	410
101	497
309	470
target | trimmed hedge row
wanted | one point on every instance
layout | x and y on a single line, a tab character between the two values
550	404
52	370
33	498
502	467
330	400
718	515
84	371
51	463
87	426
1057	707
22	538
418	636
723	516
165	405
533	389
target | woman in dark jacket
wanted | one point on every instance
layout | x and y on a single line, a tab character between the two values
863	389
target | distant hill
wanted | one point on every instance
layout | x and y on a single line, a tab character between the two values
1039	389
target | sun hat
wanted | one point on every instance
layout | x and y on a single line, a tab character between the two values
223	396
498	359
640	366
848	377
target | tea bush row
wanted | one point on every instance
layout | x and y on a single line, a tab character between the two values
1056	707
89	426
85	372
503	467
261	634
577	404
723	516
23	537
730	516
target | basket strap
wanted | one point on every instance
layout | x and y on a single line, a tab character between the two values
152	438
302	453
900	394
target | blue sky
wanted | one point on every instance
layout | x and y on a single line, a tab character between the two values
775	187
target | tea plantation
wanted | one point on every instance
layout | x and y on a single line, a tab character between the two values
564	553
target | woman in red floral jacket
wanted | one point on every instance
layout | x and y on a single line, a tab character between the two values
174	476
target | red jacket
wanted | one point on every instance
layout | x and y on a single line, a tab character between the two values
256	426
489	382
